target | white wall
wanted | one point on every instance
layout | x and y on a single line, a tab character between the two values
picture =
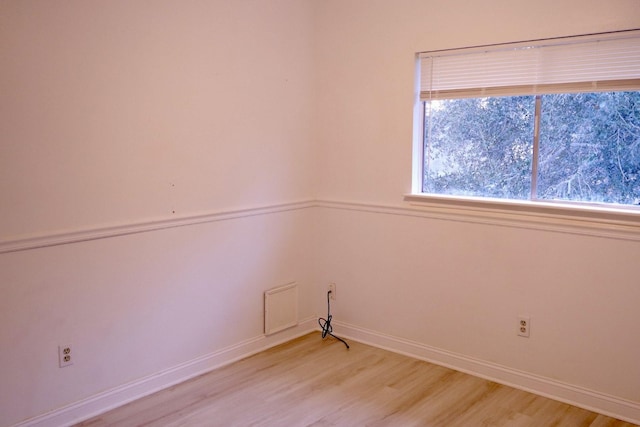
366	61
137	305
134	114
119	111
123	113
444	284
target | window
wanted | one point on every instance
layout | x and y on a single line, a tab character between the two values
551	120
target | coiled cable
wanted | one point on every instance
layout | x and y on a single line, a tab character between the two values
325	324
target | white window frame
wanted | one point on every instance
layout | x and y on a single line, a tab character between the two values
604	220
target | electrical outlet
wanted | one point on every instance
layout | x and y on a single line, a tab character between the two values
332	289
65	355
524	326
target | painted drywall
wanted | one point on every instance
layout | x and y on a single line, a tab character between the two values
459	286
134	306
366	66
118	113
123	112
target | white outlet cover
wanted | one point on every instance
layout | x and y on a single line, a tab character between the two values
65	355
524	326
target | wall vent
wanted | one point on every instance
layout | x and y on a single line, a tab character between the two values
280	308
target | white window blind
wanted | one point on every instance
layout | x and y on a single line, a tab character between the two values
604	62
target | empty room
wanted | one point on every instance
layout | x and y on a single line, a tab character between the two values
195	194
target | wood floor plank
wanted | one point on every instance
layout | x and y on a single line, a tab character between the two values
319	383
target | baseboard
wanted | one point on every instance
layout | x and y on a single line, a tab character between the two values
588	399
126	393
577	396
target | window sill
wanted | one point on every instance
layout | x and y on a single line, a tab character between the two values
600	221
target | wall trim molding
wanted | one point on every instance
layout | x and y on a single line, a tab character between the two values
584	398
618	225
121	395
103	232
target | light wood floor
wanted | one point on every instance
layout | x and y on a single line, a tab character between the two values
311	382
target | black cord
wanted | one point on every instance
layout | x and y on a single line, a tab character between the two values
325	324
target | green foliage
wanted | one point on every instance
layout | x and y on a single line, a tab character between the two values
589	147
